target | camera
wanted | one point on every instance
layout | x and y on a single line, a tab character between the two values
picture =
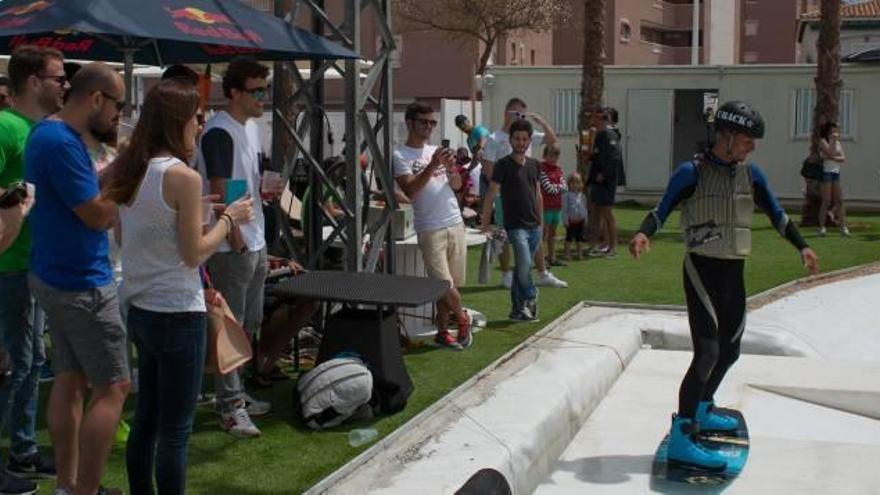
444	143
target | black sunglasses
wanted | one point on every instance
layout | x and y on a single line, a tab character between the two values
120	104
257	93
60	80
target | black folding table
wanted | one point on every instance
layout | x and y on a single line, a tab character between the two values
370	333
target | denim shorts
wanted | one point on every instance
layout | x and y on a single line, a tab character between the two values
830	177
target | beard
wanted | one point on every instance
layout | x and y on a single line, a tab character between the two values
49	103
104	132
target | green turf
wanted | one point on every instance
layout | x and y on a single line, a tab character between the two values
289	458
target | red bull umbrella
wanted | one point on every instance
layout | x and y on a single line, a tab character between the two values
158	32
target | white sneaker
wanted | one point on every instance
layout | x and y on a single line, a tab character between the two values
844	232
238	423
507	279
256	407
821	231
547	279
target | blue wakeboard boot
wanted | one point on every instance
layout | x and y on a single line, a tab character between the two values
684	450
711	420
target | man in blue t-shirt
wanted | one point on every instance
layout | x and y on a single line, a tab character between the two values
71	276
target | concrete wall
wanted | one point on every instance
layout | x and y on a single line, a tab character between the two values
723	42
770	88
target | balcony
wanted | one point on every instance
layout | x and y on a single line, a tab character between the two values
657	54
670	15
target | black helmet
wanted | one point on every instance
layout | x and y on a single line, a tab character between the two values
460	120
739	116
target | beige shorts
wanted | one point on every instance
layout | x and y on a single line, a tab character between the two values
445	253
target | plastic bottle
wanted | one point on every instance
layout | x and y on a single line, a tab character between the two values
361	436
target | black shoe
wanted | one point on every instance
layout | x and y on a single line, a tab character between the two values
522	315
33	467
558	263
12	485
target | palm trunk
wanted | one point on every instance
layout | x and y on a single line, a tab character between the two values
828	85
592	75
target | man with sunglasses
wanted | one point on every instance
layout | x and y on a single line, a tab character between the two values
72	280
238	269
427	175
37	81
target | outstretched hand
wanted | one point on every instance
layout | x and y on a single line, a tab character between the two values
810	260
639	244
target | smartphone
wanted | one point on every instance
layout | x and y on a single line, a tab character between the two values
444	143
14	195
235	189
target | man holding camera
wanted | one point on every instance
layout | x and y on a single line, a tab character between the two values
497	147
38	84
427	175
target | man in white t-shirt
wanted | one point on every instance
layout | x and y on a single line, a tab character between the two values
496	148
427	175
238	268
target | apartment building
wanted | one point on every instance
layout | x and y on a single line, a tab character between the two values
660	32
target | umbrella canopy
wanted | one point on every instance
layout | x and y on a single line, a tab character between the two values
158	32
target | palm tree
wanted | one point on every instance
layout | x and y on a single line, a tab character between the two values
828	85
592	74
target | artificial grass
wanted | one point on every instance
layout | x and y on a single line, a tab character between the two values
289	458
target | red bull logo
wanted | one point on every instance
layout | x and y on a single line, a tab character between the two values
16	17
27	9
65	45
197	22
198	15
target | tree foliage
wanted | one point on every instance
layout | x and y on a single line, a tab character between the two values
484	20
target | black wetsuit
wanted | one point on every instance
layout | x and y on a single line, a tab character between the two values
714	287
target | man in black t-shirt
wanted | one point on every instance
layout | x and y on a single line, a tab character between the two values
517	178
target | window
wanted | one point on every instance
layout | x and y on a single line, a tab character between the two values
751	27
533	57
750	57
566	106
625	31
805	100
513	54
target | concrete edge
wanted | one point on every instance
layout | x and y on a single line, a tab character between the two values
416	421
768	296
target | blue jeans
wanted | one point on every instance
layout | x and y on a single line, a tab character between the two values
524	243
171	357
19	395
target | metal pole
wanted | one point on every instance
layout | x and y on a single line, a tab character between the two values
128	79
695	38
315	229
388	138
353	105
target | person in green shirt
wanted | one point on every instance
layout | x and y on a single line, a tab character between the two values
38	84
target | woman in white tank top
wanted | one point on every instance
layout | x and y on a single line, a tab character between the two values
163	244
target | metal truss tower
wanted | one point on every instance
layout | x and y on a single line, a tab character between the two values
368	130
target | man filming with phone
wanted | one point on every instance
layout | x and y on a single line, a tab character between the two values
427	175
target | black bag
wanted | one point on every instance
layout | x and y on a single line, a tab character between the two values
812	168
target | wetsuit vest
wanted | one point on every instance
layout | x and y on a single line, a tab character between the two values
716	219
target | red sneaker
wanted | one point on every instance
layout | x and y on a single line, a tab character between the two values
444	339
465	336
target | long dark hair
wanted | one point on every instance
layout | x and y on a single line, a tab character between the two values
168	107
